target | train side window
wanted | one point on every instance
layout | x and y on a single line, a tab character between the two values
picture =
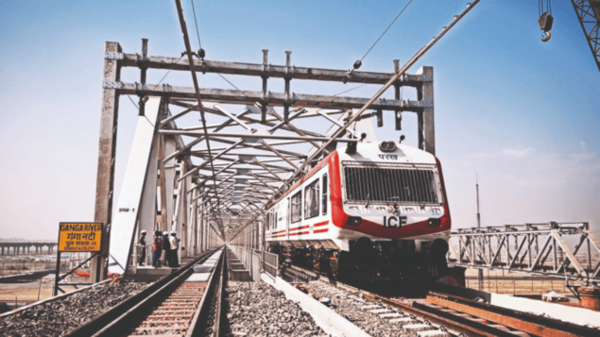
268	220
325	193
296	203
311	200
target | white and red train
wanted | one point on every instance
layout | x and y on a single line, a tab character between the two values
375	211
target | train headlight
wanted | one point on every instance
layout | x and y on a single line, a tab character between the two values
387	146
434	222
354	221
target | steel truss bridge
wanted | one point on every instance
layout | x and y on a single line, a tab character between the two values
562	250
211	181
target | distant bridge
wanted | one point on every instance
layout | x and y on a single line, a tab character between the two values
25	248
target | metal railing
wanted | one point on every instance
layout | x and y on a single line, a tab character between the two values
270	263
257	261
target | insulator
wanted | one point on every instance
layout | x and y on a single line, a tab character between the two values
357	64
201	53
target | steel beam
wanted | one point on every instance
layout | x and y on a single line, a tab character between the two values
257	69
254	136
227	96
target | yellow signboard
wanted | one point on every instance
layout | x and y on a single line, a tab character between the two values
79	236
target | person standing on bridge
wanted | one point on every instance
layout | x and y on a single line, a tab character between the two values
174	241
156	248
166	246
142	243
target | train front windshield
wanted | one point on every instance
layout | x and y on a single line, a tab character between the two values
391	183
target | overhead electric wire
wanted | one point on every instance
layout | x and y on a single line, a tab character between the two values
200	46
385	31
132	102
196	21
168	72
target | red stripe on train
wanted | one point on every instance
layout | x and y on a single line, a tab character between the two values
299	233
319	224
298	228
321	230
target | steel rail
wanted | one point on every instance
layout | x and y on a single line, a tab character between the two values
198	322
526	322
109	322
443	299
211	314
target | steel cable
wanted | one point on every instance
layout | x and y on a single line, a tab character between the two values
385	31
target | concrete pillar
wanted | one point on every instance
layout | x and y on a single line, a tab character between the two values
426	118
106	159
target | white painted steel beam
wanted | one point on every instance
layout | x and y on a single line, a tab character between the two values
137	177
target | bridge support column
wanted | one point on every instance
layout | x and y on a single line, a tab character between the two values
106	159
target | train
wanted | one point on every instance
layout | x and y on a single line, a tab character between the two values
370	212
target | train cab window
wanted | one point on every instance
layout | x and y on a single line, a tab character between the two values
325	195
311	200
296	203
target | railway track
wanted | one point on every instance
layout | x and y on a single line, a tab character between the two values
186	303
442	311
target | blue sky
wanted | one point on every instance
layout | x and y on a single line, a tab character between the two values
522	114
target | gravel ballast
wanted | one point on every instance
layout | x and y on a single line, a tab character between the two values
59	317
257	309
